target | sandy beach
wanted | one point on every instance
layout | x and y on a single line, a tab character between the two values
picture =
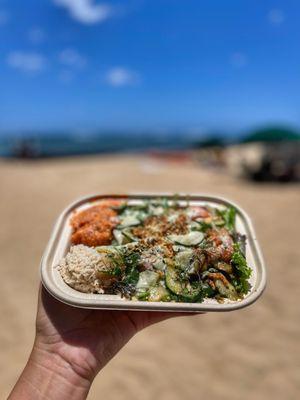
249	354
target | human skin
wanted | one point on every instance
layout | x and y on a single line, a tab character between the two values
72	345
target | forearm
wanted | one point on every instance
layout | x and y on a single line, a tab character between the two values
47	376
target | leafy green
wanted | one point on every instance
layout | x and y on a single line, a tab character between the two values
131	261
142	296
126	285
228	215
115	263
207	290
243	271
116	271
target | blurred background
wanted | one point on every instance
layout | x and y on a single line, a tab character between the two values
162	95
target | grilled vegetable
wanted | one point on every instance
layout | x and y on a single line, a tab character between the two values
222	266
181	287
226	290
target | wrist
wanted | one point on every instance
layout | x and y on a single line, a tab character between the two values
48	376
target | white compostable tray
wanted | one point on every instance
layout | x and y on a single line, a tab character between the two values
59	245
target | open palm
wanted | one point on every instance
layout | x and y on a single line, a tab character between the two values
87	339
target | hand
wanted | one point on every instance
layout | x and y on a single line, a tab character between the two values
72	345
87	339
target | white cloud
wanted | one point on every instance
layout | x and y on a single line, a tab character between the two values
120	76
239	60
26	61
276	17
36	35
4	17
86	11
72	58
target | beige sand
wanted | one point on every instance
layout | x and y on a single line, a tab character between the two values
250	354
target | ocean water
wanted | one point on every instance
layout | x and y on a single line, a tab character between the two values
65	144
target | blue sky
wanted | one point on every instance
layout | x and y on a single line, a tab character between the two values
149	64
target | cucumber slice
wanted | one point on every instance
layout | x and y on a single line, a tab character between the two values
159	264
181	287
190	239
129	220
158	293
124	236
118	236
184	258
188	261
146	280
177	248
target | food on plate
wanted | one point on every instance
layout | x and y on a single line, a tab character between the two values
158	250
93	226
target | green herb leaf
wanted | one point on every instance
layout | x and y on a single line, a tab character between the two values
243	270
131	261
228	216
116	271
